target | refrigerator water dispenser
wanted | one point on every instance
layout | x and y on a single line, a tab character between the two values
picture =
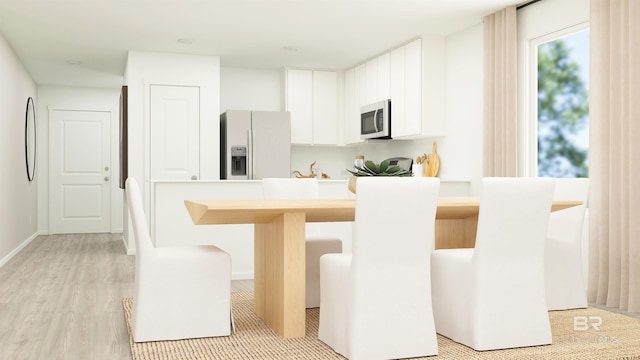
238	160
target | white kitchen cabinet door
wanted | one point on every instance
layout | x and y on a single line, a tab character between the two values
325	108
299	102
384	77
175	132
361	87
361	92
397	92
372	81
351	109
413	87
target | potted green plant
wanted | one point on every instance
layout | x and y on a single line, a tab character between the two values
369	168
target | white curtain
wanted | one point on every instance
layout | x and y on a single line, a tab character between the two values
500	93
614	169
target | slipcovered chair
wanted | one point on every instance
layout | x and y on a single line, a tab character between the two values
493	296
179	292
316	244
375	303
563	252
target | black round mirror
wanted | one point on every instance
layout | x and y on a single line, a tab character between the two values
30	139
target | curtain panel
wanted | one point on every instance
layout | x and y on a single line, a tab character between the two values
614	208
500	93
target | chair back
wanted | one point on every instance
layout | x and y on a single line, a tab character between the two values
292	188
390	275
144	246
513	219
567	224
508	260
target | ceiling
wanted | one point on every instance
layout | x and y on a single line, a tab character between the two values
325	34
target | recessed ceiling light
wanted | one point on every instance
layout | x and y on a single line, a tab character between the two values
74	62
186	41
291	48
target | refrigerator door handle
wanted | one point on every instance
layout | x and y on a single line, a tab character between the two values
250	154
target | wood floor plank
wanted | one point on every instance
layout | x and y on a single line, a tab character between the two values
61	298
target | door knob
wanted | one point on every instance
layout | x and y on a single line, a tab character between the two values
106	178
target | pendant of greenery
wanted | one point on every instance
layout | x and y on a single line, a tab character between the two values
383	169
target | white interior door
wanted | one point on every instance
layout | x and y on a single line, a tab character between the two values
175	132
79	172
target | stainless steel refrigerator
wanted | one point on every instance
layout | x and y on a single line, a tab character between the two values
255	144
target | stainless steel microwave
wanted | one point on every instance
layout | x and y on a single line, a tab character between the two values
375	120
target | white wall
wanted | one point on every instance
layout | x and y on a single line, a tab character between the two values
18	196
250	89
52	97
462	147
147	68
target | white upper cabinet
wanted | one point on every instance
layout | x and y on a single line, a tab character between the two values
384	76
299	89
412	93
311	98
355	96
351	109
412	78
325	108
397	92
361	88
371	76
377	79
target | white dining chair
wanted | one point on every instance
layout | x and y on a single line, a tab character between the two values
493	296
564	280
180	292
376	301
316	244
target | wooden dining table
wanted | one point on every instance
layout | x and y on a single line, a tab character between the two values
279	244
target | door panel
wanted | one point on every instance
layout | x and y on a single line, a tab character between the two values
79	184
174	122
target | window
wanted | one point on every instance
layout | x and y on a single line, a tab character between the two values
546	28
563	106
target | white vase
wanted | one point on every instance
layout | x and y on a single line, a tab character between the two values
418	170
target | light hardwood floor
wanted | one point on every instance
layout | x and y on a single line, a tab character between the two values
61	298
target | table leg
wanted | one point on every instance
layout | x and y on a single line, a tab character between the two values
456	233
279	286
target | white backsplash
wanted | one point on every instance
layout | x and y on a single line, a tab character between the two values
333	160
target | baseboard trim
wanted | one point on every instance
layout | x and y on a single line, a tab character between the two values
126	246
242	276
15	251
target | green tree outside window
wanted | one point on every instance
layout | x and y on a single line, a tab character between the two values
563	113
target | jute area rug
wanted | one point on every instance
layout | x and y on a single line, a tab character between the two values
618	337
